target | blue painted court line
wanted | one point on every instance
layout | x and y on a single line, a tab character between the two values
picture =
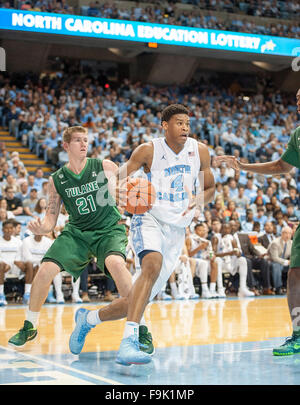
242	363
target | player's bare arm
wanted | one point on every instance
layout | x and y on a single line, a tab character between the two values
42	227
278	166
208	177
141	157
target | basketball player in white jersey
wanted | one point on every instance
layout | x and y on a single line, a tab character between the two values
233	261
9	247
201	249
173	165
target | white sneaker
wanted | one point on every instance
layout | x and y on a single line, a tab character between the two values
164	296
178	297
194	296
206	294
214	294
77	299
3	301
221	293
60	299
244	292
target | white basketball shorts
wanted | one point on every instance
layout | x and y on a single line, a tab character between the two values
147	233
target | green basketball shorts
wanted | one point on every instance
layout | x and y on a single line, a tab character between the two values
73	249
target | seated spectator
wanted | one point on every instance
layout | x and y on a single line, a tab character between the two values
227	213
9	247
29	256
279	252
10	181
260	217
23	194
4	215
241	201
30	181
217	210
200	249
40	208
267	237
232	260
48	145
43	193
39	178
29	204
256	261
292	214
14	204
295	200
195	248
278	215
247	225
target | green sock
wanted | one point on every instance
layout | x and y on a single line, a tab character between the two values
296	333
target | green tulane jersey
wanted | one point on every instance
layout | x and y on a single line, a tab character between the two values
86	197
292	154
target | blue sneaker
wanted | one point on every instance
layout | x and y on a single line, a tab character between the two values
130	353
82	328
50	298
26	298
3	301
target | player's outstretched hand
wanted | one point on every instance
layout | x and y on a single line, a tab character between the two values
231	161
121	192
35	226
194	201
118	190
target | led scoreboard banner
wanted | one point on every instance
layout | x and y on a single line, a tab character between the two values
49	23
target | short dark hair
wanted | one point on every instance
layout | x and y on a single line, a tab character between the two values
199	224
7	222
173	109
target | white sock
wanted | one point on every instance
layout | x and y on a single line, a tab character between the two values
204	286
1	289
243	277
131	328
32	317
57	281
143	322
173	288
212	287
27	288
75	286
93	317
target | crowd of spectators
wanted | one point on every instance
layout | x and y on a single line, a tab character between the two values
253	127
170	13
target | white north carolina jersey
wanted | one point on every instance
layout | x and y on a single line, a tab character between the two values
227	246
9	249
172	175
195	242
33	251
220	242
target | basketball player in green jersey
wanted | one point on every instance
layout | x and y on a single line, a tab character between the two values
92	231
289	159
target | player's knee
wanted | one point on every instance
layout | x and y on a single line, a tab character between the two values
46	274
151	269
4	267
294	275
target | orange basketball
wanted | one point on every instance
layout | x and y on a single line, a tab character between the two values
140	195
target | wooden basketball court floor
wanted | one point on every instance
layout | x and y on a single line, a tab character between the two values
210	342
